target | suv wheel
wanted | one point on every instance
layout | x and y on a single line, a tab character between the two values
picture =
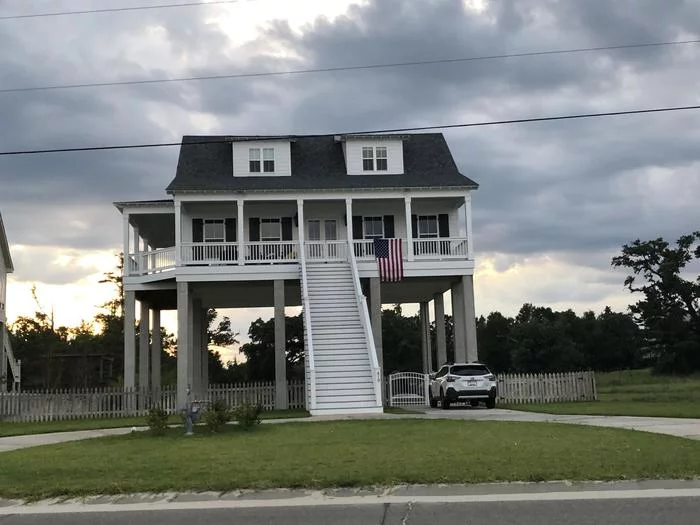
491	402
444	401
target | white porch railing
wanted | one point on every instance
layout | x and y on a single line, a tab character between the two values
310	372
209	253
326	250
271	252
446	248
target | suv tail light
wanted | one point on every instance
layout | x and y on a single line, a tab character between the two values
491	377
451	379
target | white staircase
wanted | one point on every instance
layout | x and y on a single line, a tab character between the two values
346	377
7	356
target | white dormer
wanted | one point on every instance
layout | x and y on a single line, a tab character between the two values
373	154
262	158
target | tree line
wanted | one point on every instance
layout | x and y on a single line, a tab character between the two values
662	330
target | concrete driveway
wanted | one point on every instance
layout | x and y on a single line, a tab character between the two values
686	428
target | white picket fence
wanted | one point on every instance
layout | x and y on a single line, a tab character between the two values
94	403
547	388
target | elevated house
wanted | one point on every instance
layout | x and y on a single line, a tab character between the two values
338	225
10	374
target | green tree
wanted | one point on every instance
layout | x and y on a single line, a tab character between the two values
670	308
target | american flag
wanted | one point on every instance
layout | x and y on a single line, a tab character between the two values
389	255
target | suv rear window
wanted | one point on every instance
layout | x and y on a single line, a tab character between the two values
469	370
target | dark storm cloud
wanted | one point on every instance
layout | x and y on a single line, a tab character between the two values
579	189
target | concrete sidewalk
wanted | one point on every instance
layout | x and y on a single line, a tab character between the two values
686	428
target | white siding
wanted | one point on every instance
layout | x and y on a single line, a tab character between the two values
353	156
283	160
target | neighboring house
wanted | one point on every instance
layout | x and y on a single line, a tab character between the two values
295	221
8	364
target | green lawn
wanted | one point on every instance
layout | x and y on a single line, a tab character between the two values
20	429
345	453
634	393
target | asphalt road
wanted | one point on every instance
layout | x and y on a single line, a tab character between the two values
657	511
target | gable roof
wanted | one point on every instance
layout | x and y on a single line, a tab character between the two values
5	247
318	163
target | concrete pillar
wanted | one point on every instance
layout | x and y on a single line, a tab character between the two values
156	349
197	349
281	395
129	340
440	339
459	322
469	318
424	317
375	315
204	338
185	375
144	347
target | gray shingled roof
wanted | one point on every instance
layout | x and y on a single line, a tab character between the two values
205	164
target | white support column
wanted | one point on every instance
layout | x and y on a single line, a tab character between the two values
409	229
204	339
137	240
458	322
281	396
197	349
129	340
240	231
469	318
125	229
424	318
184	344
301	229
156	350
178	233
440	329
468	225
348	215
144	349
375	313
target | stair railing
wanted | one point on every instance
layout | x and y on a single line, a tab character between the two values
307	324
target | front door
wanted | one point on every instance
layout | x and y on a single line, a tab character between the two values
321	232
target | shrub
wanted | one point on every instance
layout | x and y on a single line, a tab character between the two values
216	415
247	415
157	420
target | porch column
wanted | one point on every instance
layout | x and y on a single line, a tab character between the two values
409	229
196	349
440	338
125	229
144	349
458	320
129	340
301	229
185	374
156	349
178	234
240	234
469	318
348	220
424	315
204	338
375	314
281	397
468	225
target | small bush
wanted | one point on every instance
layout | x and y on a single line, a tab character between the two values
216	415
247	415
157	420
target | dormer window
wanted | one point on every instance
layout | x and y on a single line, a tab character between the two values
268	160
370	154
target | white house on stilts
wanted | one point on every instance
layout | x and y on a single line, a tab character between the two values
10	368
302	221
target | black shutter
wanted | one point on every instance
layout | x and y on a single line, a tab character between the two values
197	230
414	226
356	227
230	225
286	228
388	226
443	225
254	229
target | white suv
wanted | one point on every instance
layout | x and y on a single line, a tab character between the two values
471	382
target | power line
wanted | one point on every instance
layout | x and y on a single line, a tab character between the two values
367	132
351	68
117	9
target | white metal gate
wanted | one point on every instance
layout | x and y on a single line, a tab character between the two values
408	388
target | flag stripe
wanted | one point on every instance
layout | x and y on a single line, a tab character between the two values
389	255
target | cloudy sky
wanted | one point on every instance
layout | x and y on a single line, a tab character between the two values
556	202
